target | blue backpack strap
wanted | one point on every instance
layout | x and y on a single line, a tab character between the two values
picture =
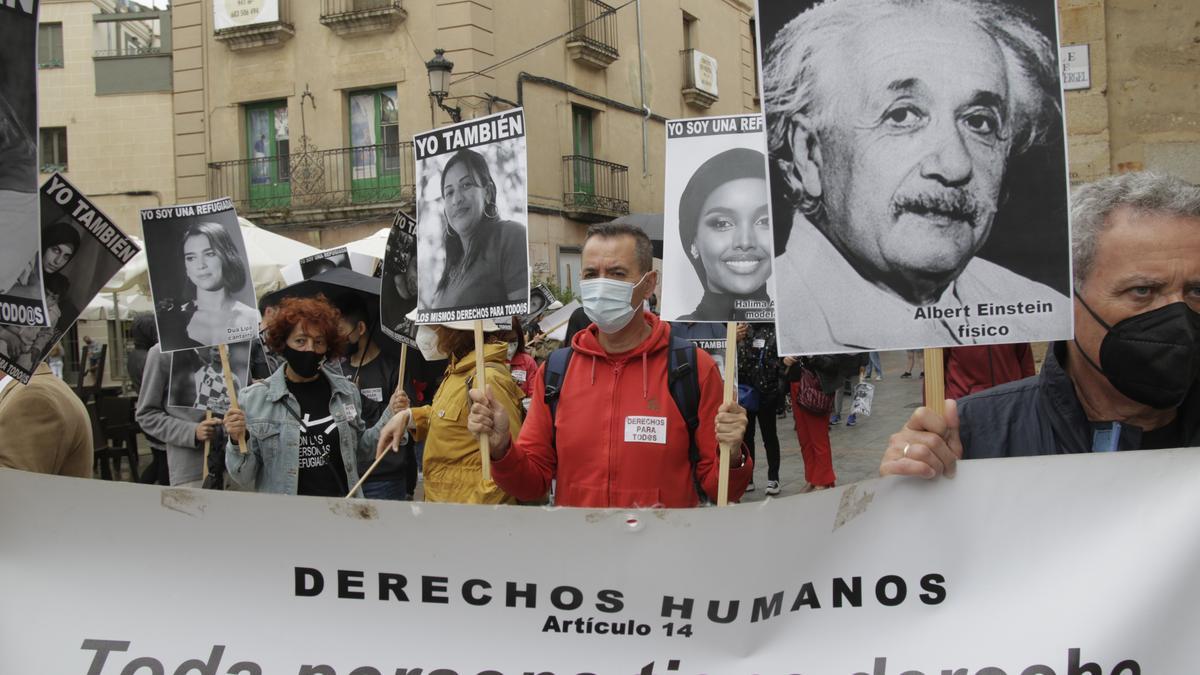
683	378
556	371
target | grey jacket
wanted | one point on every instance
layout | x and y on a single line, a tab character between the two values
175	427
272	463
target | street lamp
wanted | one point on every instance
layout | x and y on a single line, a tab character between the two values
439	68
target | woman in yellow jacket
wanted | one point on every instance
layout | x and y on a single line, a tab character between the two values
452	465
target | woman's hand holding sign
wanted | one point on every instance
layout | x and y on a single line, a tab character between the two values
235	425
391	437
927	446
399	401
488	417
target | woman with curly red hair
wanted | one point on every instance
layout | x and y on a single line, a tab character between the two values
303	424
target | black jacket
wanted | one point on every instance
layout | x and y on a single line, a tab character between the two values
1041	415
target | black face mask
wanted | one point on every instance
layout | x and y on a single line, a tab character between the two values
304	364
1153	357
352	347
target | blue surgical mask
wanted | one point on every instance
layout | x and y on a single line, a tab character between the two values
607	302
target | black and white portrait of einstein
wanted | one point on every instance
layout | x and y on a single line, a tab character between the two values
892	125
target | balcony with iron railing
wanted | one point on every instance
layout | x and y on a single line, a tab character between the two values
360	17
594	190
264	35
593	39
315	185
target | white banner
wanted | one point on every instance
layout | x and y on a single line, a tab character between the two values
1082	565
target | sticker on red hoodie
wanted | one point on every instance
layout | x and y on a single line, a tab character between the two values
642	429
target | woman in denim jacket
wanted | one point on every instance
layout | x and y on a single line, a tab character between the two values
303	424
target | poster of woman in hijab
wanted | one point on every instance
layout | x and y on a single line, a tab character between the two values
197	380
81	251
21	299
717	245
398	294
199	275
472	214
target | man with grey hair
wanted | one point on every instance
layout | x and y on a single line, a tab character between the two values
1130	379
891	124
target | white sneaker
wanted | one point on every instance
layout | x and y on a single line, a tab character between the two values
750	487
772	487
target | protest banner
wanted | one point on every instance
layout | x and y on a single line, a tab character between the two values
199	275
22	302
82	250
717	245
717	241
1026	566
472	215
201	283
311	265
540	298
884	239
197	380
398	294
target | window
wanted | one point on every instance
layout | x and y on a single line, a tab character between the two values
50	45
128	37
754	55
267	141
582	126
375	145
53	146
584	147
690	24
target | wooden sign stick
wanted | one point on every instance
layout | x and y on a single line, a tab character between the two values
207	446
935	380
367	473
730	395
485	454
403	362
233	404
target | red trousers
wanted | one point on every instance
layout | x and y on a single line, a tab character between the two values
812	430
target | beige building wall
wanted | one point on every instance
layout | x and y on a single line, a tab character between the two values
1143	108
116	143
215	83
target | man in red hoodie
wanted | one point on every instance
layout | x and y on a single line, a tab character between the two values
618	438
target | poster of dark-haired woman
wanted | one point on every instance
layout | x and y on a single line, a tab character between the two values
717	246
199	275
472	215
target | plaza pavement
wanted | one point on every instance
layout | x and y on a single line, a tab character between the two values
856	450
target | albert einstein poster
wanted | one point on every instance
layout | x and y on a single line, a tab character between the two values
918	173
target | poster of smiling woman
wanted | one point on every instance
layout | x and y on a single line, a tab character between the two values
472	220
716	221
918	173
199	275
